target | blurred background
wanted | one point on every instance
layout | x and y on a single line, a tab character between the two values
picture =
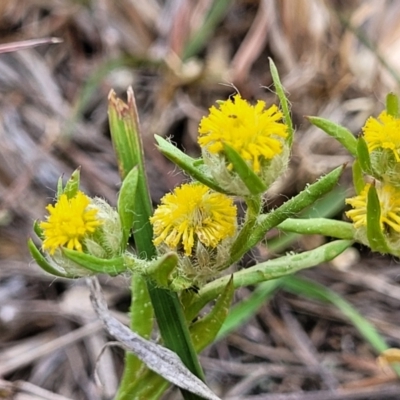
337	60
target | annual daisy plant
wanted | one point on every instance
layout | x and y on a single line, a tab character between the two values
177	255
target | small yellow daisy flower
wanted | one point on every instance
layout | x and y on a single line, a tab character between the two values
254	132
389	200
69	221
383	133
193	212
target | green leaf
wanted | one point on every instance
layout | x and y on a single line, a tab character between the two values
363	156
124	128
376	238
319	226
392	105
60	188
126	204
271	269
249	178
313	290
141	321
340	133
161	269
113	266
241	312
72	186
204	331
328	206
280	91
265	222
358	178
43	263
188	164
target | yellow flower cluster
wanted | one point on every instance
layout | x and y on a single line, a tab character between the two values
69	222
383	133
389	199
193	212
254	132
382	136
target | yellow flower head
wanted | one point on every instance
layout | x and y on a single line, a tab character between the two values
69	221
254	132
389	200
383	133
193	212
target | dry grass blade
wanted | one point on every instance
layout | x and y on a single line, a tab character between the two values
26	44
159	359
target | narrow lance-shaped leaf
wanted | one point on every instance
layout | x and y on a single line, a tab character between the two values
188	164
319	226
340	133
392	105
72	186
141	322
204	331
265	222
363	156
124	127
113	266
280	91
248	177
375	235
126	205
268	270
43	263
358	179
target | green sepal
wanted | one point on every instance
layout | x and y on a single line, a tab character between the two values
112	266
72	186
280	91
188	164
205	330
358	179
125	205
60	188
43	263
249	178
376	238
38	230
160	269
392	105
363	156
340	133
